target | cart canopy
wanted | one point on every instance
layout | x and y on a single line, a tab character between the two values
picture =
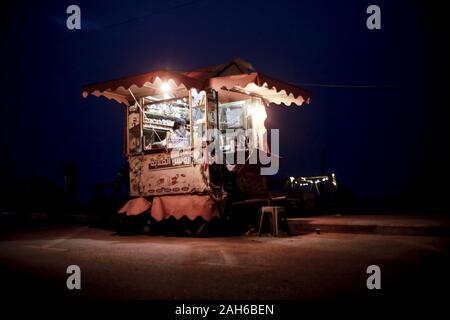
230	79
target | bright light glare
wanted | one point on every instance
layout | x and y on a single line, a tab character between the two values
165	87
258	113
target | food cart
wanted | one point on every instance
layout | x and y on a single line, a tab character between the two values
172	119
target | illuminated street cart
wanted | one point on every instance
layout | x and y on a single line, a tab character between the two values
191	136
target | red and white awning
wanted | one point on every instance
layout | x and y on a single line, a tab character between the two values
237	76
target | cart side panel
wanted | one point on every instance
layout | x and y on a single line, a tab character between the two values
159	174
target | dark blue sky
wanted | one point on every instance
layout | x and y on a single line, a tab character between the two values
379	141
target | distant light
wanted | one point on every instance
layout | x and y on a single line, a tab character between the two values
165	87
292	179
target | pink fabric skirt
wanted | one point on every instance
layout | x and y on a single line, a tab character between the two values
191	206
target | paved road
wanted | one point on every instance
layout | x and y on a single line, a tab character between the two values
33	264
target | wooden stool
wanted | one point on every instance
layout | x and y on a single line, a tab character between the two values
273	215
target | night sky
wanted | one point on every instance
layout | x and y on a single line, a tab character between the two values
385	140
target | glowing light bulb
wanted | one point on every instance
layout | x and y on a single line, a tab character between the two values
165	87
258	113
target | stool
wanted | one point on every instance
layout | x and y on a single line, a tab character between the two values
273	215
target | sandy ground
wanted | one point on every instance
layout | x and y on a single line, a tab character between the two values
33	263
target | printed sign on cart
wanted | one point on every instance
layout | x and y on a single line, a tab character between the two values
165	173
172	159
